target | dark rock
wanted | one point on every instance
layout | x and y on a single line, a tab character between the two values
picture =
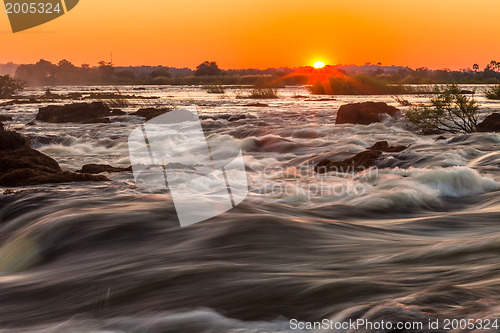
118	112
466	92
490	123
19	102
364	113
360	161
98	168
150	113
20	165
384	147
440	138
5	118
83	113
320	99
235	117
259	105
11	140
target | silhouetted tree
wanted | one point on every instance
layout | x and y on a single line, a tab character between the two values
160	72
9	86
475	68
208	69
106	69
126	74
41	73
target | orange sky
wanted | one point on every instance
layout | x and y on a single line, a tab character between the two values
264	33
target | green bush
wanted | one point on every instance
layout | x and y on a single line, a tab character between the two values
450	111
493	92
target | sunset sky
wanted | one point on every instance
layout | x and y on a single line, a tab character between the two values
264	33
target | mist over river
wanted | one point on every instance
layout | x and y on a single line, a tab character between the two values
416	238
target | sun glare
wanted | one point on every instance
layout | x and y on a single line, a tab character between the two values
319	64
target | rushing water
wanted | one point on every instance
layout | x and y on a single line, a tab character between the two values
416	239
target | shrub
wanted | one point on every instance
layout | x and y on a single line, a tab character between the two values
263	93
208	68
402	101
450	111
493	92
357	85
9	86
214	89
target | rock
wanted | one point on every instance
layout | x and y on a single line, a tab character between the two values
5	118
18	102
440	138
83	113
98	168
490	123
364	113
118	112
259	105
384	147
11	140
320	99
20	165
360	161
150	113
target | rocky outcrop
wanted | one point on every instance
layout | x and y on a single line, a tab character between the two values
5	118
490	123
20	165
83	113
99	168
360	161
150	113
364	113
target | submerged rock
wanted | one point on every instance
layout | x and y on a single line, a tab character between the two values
360	161
225	116
19	102
150	113
5	118
21	165
258	105
384	147
98	168
490	123
83	113
364	113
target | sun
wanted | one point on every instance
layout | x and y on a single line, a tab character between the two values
319	64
